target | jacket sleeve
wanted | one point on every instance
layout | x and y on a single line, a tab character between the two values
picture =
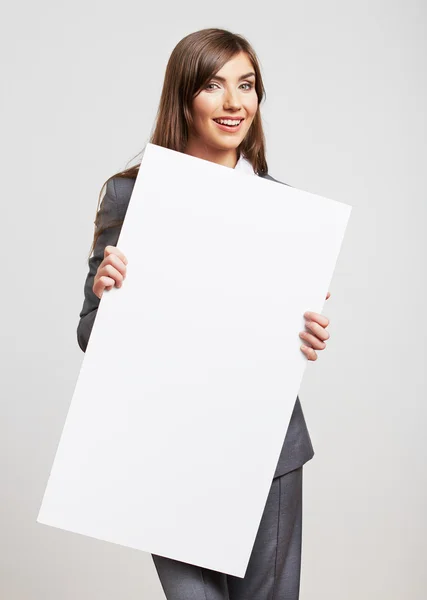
109	212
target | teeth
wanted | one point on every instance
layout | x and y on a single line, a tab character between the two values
228	121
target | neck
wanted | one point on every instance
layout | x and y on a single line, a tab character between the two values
227	158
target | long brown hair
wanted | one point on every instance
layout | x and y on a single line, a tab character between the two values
193	62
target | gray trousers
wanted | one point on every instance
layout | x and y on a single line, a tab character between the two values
274	567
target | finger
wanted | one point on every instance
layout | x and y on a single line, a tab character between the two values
114	260
316	317
319	331
312	340
309	352
102	283
112	272
114	250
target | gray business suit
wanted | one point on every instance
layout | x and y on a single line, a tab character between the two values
274	568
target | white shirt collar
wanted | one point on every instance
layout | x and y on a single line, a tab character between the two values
244	165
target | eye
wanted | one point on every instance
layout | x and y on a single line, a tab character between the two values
248	84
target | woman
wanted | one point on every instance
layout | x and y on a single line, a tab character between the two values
210	108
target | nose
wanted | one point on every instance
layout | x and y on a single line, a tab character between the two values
231	101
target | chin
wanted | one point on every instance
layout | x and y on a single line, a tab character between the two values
227	144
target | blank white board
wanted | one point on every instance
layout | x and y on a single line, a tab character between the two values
193	366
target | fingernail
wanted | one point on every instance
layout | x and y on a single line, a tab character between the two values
303	347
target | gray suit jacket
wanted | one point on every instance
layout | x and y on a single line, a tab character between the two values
297	448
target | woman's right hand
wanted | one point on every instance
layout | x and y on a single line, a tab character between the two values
111	272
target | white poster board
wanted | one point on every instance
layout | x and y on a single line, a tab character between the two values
193	366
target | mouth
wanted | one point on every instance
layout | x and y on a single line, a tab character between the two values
232	125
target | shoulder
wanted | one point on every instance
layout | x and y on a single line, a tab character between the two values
269	177
115	201
119	189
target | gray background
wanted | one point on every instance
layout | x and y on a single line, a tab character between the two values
345	117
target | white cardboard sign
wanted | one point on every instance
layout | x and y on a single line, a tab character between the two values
192	370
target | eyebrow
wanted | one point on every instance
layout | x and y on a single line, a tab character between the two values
240	78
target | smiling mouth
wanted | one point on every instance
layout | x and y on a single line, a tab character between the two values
228	122
229	125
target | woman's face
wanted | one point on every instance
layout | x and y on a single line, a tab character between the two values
230	94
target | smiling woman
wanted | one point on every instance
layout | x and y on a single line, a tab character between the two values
228	103
210	108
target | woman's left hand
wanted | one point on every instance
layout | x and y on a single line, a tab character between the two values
314	338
